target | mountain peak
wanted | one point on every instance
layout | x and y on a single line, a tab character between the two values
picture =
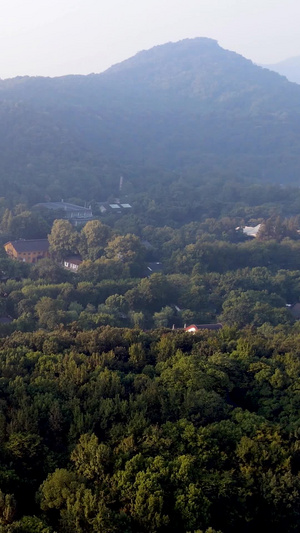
195	47
193	72
187	107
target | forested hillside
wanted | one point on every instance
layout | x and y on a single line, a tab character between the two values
120	430
188	108
111	422
113	416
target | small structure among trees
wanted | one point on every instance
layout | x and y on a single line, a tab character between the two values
72	262
196	327
76	214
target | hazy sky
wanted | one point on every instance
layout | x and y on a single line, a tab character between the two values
57	37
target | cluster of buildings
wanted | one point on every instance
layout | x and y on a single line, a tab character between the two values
76	214
115	207
31	250
79	215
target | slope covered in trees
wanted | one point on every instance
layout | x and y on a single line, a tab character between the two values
121	430
188	108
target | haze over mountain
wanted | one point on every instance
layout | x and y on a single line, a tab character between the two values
289	67
188	108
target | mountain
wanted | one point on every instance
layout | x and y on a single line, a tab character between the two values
289	67
187	109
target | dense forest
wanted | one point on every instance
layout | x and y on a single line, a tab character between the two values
113	417
112	422
123	430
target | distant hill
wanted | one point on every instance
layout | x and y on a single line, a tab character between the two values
289	67
187	109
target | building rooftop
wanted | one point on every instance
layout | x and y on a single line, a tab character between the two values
251	231
196	327
30	245
75	259
63	206
153	268
116	206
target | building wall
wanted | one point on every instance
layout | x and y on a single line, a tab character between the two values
32	257
26	257
11	252
71	266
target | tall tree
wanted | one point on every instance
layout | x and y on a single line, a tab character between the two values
63	239
93	238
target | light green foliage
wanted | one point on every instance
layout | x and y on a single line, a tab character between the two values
126	250
147	507
138	319
91	459
58	489
30	524
164	318
117	304
6	221
47	310
93	239
254	307
276	228
7	508
137	354
192	505
63	239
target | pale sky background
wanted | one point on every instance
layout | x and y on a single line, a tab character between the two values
58	37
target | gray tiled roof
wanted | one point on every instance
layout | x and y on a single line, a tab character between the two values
75	259
63	206
31	245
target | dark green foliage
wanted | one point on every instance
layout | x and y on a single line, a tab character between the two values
123	430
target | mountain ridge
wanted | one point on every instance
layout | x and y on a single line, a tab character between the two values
181	57
290	68
185	107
